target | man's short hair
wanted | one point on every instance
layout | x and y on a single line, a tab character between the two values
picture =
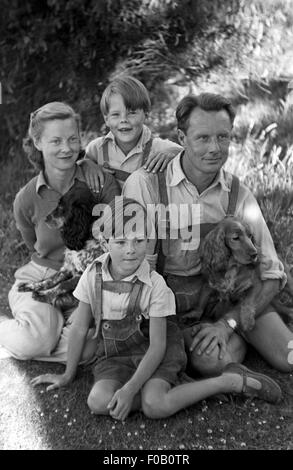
204	101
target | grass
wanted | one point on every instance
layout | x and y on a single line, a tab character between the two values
262	155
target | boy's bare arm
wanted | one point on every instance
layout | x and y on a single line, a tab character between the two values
159	161
78	332
93	174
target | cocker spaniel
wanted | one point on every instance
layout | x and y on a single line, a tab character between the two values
73	217
229	260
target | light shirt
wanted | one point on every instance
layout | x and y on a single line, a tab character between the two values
213	204
133	160
157	300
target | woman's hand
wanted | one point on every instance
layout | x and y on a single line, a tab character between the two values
208	336
121	403
159	161
57	380
93	174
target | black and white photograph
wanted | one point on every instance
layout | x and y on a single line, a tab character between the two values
146	228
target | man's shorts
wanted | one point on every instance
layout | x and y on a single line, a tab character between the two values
187	291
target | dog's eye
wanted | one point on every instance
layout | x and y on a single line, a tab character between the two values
235	238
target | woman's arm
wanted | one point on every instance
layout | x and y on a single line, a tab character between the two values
23	222
82	318
120	404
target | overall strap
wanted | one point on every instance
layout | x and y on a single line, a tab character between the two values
134	299
146	151
98	306
105	151
233	196
163	246
134	288
119	174
121	287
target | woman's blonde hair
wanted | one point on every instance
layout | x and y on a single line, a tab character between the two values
38	118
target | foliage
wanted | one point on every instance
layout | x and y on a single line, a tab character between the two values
65	50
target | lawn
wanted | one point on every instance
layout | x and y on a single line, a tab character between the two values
32	418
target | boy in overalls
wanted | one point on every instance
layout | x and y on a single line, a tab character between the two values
140	356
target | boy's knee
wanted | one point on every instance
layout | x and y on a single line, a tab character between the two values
154	406
97	402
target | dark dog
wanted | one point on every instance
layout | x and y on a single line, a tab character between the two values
73	217
229	261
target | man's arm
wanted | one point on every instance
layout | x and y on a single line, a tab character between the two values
208	336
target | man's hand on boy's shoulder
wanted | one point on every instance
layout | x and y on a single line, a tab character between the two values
159	161
93	174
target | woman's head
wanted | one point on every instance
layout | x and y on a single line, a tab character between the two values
50	126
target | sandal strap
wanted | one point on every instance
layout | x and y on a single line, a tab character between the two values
244	376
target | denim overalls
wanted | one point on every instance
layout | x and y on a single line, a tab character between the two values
120	337
187	288
127	340
122	175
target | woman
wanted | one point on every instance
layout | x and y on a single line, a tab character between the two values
53	148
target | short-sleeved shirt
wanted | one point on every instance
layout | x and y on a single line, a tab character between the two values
213	205
157	299
133	160
31	206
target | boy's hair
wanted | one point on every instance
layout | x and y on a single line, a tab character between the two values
133	92
204	101
38	118
118	211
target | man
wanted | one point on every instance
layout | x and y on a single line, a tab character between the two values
196	176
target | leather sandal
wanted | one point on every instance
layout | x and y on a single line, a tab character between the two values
269	391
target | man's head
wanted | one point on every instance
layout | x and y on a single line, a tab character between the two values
205	123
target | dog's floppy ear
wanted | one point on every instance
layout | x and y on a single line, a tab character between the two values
77	229
214	252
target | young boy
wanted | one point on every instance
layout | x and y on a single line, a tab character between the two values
140	354
125	105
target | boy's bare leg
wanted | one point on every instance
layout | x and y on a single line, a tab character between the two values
159	400
101	394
